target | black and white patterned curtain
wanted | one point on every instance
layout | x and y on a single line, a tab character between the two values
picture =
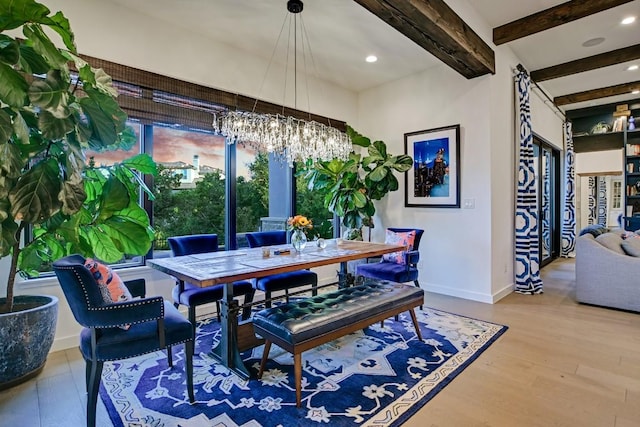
569	218
526	228
592	198
602	201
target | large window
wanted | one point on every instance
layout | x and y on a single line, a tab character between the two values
204	185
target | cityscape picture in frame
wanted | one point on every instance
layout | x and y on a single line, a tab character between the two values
434	180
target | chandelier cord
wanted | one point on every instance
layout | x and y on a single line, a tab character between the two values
304	36
273	54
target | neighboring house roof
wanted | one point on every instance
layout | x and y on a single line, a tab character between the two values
176	165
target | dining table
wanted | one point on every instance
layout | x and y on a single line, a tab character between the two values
226	267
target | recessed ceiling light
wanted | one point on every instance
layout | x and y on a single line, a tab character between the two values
371	58
628	20
593	42
632	67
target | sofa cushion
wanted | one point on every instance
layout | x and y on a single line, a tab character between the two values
594	229
631	247
611	241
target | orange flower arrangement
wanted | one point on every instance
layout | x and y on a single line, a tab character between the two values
299	222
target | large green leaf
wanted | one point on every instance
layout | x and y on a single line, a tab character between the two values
31	62
143	163
13	90
51	94
72	194
379	173
43	45
8	229
129	237
106	118
14	13
115	197
60	24
12	160
9	50
357	139
20	128
6	127
34	199
134	213
53	127
101	244
4	208
402	163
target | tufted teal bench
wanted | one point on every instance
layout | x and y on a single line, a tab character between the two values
301	325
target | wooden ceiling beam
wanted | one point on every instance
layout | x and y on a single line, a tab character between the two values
552	17
435	27
588	95
586	64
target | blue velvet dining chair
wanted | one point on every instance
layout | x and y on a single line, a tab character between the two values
280	281
191	295
396	272
151	324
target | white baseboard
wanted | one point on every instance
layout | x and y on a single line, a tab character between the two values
473	296
65	343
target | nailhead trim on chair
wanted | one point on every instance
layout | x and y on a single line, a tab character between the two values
152	300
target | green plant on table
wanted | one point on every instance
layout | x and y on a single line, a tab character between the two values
351	186
48	117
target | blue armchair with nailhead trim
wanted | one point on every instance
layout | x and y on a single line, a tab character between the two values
154	324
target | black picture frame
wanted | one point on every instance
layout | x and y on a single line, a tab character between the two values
434	180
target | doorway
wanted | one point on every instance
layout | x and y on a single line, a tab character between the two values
547	164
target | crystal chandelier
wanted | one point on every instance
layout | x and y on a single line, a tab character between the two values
293	138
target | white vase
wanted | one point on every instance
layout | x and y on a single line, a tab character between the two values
298	240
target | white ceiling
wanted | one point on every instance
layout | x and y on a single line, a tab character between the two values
342	33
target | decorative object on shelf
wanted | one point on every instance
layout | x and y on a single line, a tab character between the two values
299	224
293	138
435	180
600	127
632	123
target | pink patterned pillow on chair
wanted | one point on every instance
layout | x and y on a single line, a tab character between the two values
405	239
111	286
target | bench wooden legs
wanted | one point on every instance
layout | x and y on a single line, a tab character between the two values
265	356
415	323
297	370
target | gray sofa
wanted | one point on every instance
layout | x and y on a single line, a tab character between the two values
605	274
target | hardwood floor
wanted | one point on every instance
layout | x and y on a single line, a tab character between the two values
559	364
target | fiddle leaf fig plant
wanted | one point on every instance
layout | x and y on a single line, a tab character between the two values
49	116
351	186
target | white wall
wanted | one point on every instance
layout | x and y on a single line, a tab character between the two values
465	252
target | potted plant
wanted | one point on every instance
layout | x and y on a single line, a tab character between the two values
51	202
351	186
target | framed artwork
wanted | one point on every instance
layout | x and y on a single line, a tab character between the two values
434	180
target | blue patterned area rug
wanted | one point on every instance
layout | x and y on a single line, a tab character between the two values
376	377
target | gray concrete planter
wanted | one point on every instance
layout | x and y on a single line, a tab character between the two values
26	336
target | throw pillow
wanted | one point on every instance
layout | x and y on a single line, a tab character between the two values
112	288
631	247
611	241
594	229
405	239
